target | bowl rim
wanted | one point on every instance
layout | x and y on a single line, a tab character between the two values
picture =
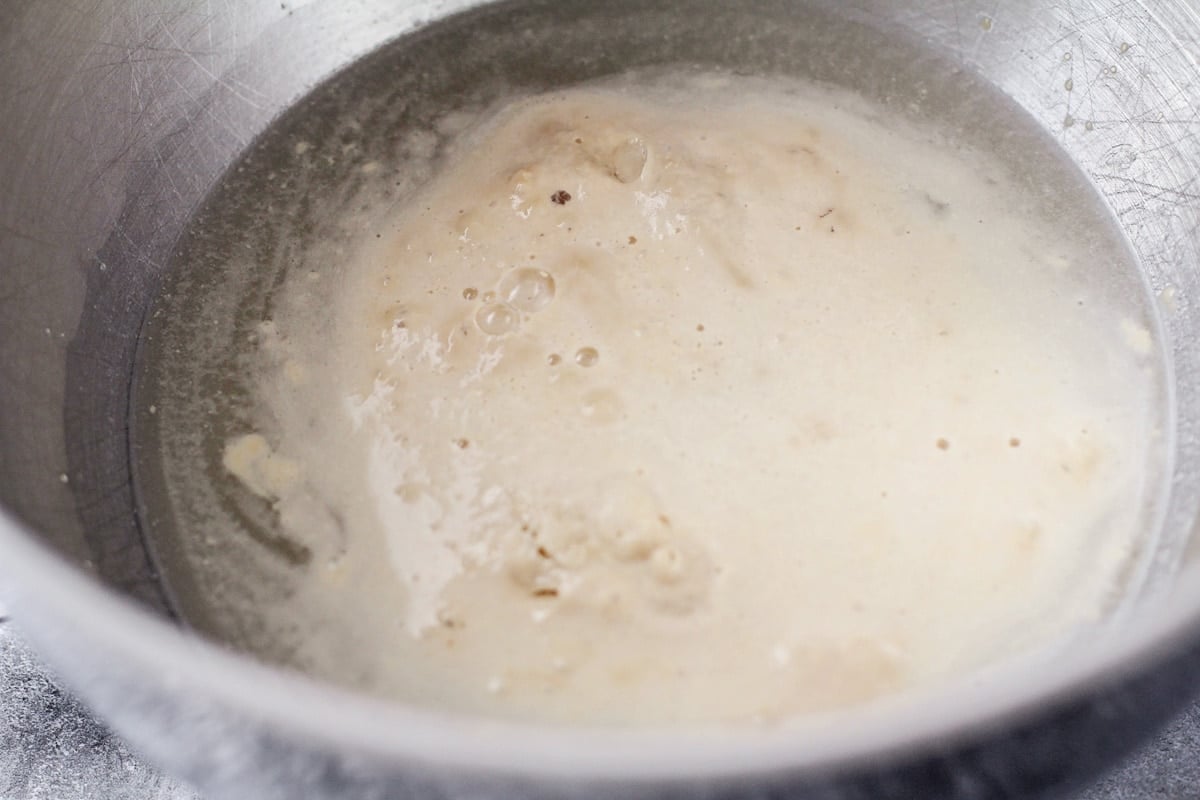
341	719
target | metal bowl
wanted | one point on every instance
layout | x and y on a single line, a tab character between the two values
119	119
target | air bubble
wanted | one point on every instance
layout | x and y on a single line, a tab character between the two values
587	356
554	359
470	294
628	160
527	289
497	319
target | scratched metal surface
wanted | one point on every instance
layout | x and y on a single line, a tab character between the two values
116	116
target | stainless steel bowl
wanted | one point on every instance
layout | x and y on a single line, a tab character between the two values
116	120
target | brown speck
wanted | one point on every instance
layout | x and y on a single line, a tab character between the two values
543	552
700	328
633	240
561	197
825	213
545	592
831	229
578	141
943	444
470	294
664	519
463	444
1014	442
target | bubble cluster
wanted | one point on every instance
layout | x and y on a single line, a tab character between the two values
527	289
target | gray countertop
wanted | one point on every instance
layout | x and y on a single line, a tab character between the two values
52	749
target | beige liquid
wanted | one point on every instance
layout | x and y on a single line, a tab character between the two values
710	406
